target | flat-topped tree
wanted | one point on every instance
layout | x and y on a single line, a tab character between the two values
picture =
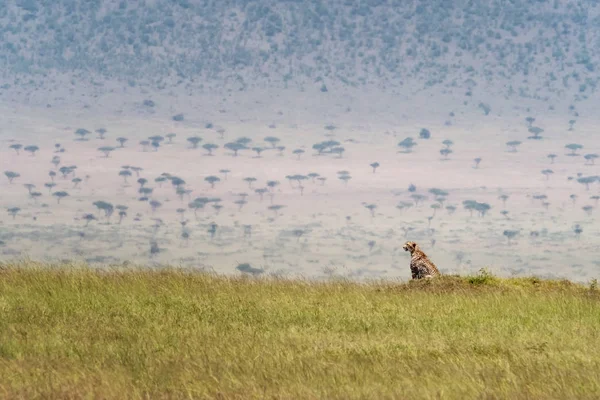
212	180
371	208
374	165
16	147
298	153
60	195
88	218
339	150
448	143
125	174
477	161
170	137
571	123
587	180
513	145
142	182
250	180
530	121
510	234
244	141
76	182
407	144
55	161
547	173
160	180
106	150
11	175
144	143
588	209
13	211
536	131
258	151
122	141
101	133
50	186
551	157
210	147
272	140
154	205
31	149
573	147
82	133
424	133
590	158
445	153
261	192
29	187
235	147
224	172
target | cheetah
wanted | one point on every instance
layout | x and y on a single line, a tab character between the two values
420	265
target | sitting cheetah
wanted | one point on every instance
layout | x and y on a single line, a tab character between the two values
420	265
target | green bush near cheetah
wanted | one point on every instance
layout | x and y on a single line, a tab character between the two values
70	332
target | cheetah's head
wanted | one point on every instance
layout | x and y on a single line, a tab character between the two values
410	246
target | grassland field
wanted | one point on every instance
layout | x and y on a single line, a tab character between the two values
70	331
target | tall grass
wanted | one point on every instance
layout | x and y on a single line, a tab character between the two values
70	332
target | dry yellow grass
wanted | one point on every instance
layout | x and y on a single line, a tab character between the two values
74	332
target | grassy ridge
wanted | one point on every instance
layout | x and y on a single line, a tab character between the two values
76	332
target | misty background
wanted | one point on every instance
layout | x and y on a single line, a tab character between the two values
302	138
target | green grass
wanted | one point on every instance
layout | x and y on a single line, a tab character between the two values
72	332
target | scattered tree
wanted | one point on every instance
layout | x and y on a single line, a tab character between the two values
122	141
106	150
547	173
407	144
374	165
82	133
13	211
11	175
552	157
536	131
101	132
477	161
445	153
235	147
210	147
510	234
60	195
573	147
272	141
448	143
298	152
16	147
513	145
32	149
425	134
212	180
590	158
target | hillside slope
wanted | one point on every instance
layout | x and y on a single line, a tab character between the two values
520	48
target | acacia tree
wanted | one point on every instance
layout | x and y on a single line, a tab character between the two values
298	152
530	121
536	131
122	141
224	172
510	234
258	150
573	147
587	180
448	143
272	141
11	175
513	145
477	161
106	150
32	149
82	133
250	180
552	157
590	158
60	195
407	144
212	180
571	123
194	141
235	147
13	211
170	136
445	153
210	147
16	147
374	165
547	173
371	208
125	174
101	132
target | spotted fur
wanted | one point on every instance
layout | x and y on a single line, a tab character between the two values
420	265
